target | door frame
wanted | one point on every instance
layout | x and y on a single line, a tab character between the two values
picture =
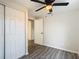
4	26
34	29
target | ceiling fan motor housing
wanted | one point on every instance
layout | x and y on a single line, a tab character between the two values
48	2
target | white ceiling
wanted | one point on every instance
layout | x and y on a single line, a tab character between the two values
32	6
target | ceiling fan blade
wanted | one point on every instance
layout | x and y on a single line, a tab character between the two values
38	1
40	8
61	4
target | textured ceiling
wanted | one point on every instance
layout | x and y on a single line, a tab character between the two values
32	6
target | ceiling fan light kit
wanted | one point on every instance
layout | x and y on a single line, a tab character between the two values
48	7
49	4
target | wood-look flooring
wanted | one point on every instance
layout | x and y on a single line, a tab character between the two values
44	52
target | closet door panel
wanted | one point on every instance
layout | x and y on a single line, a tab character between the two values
1	32
20	33
15	33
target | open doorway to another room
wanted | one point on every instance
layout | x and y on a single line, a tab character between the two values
30	35
35	34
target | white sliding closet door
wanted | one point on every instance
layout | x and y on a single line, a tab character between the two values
1	32
15	33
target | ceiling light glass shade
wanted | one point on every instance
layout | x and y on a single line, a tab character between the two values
48	7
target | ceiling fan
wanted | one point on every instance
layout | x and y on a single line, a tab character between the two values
49	4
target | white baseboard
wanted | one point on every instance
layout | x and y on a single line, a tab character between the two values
63	49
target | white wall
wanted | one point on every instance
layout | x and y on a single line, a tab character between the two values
62	31
13	4
30	30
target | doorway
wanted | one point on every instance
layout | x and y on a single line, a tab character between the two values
35	34
30	35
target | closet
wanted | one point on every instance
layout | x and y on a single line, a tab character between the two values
1	32
12	33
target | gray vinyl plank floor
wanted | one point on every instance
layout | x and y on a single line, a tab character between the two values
44	52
